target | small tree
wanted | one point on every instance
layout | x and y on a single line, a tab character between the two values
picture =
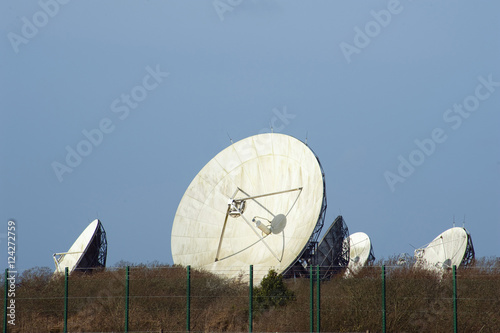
272	292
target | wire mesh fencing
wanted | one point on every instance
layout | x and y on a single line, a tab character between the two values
168	299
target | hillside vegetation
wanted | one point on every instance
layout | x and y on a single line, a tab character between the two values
416	301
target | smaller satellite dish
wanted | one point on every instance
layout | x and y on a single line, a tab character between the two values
87	252
360	252
452	247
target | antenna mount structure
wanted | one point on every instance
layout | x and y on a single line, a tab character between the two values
332	253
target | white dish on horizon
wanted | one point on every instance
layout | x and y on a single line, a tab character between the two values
452	247
360	252
87	252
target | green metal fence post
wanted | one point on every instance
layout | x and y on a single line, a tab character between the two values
250	301
5	301
65	328
311	299
318	301
188	299
455	324
127	271
383	300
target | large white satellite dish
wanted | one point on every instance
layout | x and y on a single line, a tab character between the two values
360	252
260	201
452	247
87	252
332	254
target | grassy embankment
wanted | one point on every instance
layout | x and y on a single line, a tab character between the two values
417	301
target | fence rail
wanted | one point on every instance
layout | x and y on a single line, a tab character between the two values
179	299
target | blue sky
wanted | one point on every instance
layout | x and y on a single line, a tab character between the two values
399	100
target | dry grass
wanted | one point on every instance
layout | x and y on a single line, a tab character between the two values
417	301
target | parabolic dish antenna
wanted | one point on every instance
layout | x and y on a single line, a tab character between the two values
452	247
260	201
360	252
87	252
332	254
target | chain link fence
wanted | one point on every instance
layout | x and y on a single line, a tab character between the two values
163	299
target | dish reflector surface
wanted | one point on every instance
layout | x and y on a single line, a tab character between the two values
87	252
360	252
452	247
257	203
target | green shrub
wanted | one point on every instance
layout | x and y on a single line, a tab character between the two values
272	292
